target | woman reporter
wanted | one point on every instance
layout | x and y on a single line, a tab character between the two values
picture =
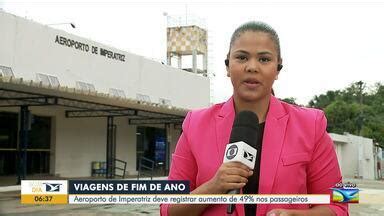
295	153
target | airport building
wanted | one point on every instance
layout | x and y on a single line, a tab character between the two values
359	157
68	103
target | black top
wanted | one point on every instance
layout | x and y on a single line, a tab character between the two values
252	187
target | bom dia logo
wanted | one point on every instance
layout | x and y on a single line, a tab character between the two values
345	193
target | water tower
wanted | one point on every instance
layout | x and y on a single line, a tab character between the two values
186	38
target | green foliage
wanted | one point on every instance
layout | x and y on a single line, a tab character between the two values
342	116
324	100
290	100
354	110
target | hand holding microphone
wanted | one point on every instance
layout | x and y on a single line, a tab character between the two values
230	176
244	136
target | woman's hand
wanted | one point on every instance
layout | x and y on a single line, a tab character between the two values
229	176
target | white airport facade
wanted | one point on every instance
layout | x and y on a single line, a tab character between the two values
52	72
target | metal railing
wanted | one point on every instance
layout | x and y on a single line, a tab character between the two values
121	168
146	167
99	168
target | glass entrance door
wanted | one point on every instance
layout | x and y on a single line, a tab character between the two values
39	144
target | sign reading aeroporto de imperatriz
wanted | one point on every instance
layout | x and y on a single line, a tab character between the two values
87	48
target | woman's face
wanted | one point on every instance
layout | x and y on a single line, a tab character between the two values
253	61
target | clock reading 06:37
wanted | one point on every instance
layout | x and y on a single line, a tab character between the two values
43	198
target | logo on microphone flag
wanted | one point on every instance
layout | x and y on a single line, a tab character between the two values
248	156
232	152
241	152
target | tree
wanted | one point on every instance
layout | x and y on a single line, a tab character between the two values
290	100
324	100
342	117
355	109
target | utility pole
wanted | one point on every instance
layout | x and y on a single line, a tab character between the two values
360	119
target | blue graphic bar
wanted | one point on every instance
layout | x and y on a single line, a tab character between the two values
128	187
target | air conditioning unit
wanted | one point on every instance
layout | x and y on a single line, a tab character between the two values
143	97
48	80
6	71
85	86
117	92
165	102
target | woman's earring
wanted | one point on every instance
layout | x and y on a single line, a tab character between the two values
279	67
226	62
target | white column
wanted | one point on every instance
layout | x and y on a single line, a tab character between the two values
169	62
179	61
205	62
194	61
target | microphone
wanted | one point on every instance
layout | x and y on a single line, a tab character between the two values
243	137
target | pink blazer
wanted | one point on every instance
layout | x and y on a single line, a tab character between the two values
297	156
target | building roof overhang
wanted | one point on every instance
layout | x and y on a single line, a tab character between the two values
16	92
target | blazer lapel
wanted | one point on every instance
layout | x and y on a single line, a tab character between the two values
273	139
224	122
